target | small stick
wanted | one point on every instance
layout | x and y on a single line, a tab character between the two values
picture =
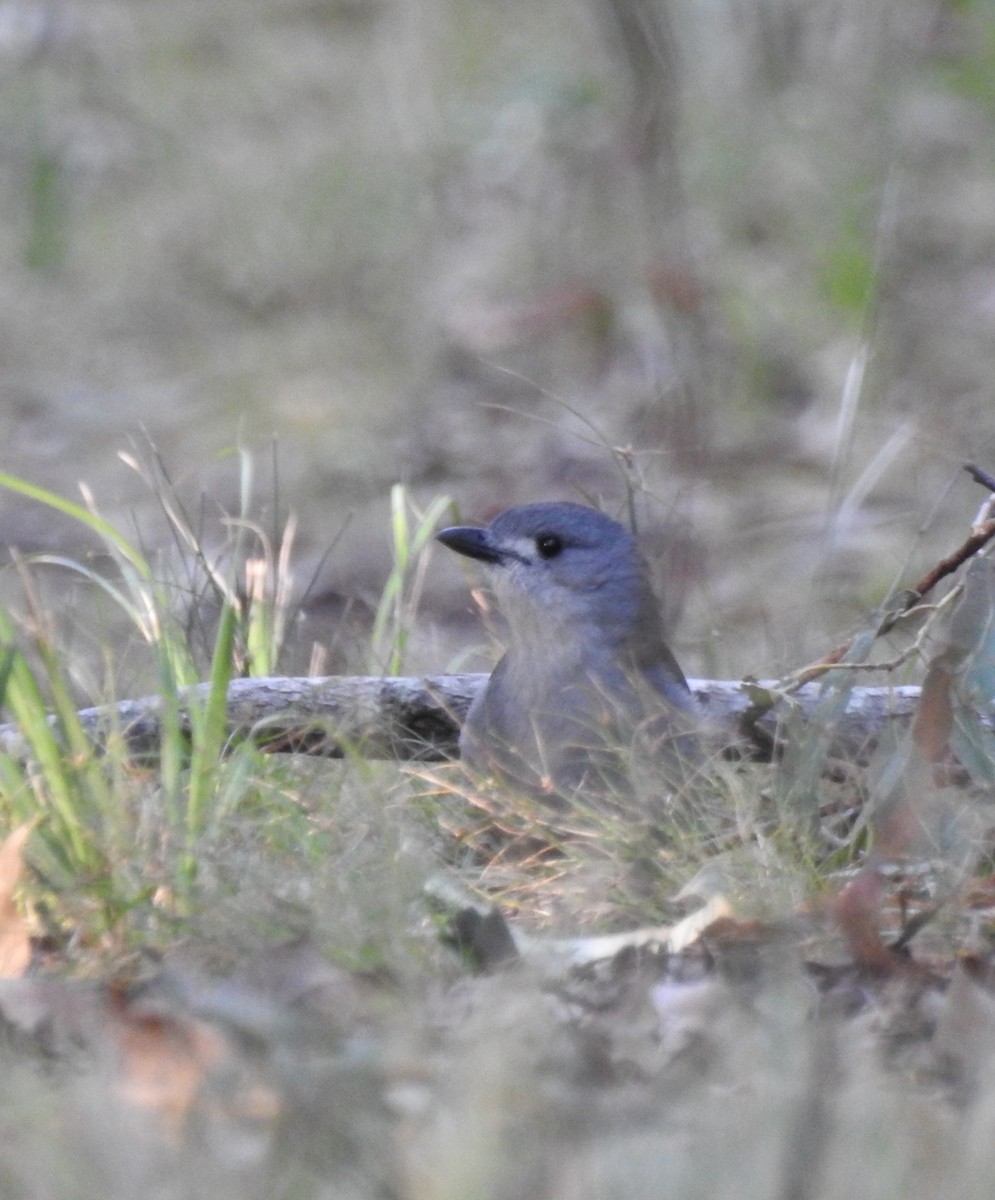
980	476
979	537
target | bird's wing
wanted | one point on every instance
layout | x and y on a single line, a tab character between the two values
667	678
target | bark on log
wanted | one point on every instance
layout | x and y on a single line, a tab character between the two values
409	718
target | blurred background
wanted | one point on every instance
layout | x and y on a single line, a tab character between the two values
728	264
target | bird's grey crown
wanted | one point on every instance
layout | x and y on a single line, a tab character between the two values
576	524
560	565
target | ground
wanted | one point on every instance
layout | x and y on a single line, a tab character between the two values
729	272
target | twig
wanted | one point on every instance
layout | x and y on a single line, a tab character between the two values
980	476
979	537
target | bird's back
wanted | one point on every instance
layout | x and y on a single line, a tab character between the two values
577	721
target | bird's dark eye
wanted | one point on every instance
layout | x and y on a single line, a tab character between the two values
549	545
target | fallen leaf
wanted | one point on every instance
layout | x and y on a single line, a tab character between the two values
685	933
935	714
15	941
858	911
164	1059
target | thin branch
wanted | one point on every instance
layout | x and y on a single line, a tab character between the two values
980	476
979	537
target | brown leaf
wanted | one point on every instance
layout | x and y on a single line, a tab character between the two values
935	714
15	942
164	1058
857	909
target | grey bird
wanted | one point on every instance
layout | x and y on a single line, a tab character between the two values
587	681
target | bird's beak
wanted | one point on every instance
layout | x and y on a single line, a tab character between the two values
471	541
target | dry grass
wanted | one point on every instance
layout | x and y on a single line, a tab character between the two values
450	244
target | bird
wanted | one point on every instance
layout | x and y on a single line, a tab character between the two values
587	681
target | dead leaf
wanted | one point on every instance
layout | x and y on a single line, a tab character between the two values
688	931
935	713
15	941
164	1058
858	909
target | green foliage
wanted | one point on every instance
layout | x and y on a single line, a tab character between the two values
970	647
95	839
808	741
847	271
399	599
209	733
121	847
972	73
47	194
117	847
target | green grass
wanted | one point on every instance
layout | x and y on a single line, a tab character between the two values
122	849
399	598
380	1079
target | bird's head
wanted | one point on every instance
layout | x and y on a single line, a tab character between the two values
561	567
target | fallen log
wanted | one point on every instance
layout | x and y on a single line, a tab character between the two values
418	717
